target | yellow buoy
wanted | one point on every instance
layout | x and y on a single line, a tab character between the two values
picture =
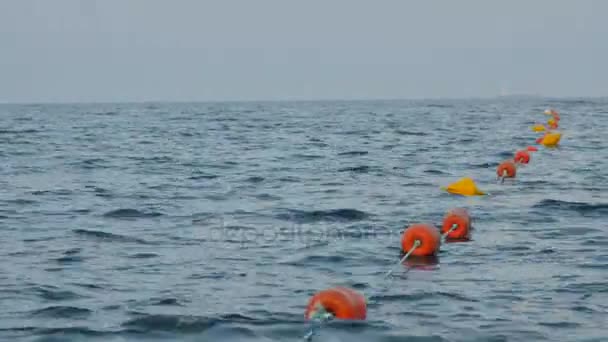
538	128
551	139
465	186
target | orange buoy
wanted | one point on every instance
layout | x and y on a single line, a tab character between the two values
340	302
427	236
460	221
522	157
506	169
532	148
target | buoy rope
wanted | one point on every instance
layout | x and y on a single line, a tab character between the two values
504	175
417	244
445	235
319	317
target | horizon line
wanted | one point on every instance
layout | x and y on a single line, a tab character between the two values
183	101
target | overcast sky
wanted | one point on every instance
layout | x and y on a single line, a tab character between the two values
145	50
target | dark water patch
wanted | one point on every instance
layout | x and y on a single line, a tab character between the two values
332	215
359	169
61	312
353	153
482	165
438	105
307	156
130	213
316	260
165	302
68	259
108	237
434	172
290	179
506	155
143	255
578	207
169	323
255	179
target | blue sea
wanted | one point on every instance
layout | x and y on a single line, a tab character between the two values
219	221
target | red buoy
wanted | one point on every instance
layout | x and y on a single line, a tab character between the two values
532	148
459	222
427	236
506	169
340	302
522	157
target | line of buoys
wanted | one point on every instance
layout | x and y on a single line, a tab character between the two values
425	240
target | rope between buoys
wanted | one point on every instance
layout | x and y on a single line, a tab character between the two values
319	317
407	255
445	235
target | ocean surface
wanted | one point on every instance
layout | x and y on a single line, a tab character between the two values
218	221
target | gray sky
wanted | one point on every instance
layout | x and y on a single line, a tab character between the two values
139	50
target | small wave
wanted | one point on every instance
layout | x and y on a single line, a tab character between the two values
21	201
334	215
130	213
96	234
353	153
54	293
267	197
18	131
61	312
482	165
434	172
202	176
307	156
169	323
579	207
419	134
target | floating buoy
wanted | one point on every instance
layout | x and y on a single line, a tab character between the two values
339	302
457	224
538	128
506	169
420	240
540	140
551	112
552	123
551	139
522	157
532	148
465	186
